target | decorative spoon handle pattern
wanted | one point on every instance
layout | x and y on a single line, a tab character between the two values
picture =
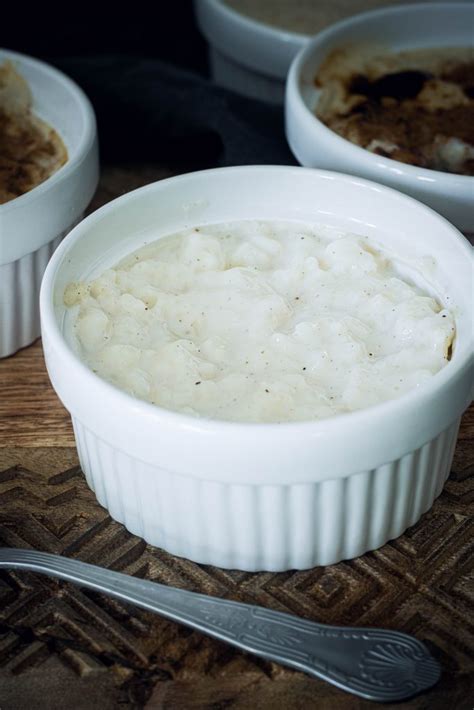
376	664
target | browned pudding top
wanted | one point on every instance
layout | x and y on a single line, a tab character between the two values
30	150
415	107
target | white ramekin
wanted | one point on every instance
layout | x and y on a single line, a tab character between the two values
397	28
263	496
31	226
245	55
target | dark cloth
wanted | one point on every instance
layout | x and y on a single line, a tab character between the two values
148	110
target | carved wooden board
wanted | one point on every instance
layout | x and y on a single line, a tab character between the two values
61	646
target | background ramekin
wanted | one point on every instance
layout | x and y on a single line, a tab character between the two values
397	28
245	55
31	226
263	496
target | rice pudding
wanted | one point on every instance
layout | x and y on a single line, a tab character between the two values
30	150
260	321
416	106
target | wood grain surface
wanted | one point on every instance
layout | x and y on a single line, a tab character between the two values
61	646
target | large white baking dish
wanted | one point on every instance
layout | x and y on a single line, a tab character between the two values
263	496
31	226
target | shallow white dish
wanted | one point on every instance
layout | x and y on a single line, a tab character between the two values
245	55
399	28
32	225
263	496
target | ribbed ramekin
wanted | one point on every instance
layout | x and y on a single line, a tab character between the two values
266	527
32	226
445	24
264	496
247	56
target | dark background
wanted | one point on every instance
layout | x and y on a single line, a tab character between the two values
145	70
161	29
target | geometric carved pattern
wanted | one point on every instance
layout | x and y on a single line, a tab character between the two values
420	583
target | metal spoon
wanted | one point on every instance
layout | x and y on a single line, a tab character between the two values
376	664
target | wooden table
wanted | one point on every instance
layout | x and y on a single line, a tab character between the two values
65	647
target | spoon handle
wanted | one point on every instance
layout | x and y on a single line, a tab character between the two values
376	664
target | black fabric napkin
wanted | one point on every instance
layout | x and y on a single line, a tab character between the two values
151	111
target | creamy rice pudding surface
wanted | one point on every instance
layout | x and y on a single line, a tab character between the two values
260	322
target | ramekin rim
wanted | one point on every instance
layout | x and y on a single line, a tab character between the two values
83	146
265	29
404	170
55	336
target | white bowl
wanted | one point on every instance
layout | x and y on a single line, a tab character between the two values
32	225
263	496
399	28
245	55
